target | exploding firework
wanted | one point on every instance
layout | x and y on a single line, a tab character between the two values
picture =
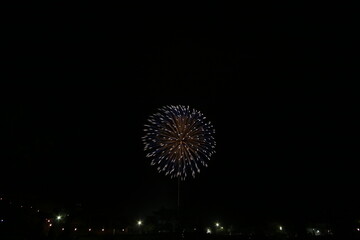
179	141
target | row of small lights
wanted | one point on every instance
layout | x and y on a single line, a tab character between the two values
11	203
21	206
217	224
139	223
59	217
90	229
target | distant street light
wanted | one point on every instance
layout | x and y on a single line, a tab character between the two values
58	217
217	224
280	228
139	223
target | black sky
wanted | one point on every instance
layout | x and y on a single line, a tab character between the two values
85	78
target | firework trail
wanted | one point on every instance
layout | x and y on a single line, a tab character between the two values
179	140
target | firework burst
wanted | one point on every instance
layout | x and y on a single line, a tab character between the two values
179	140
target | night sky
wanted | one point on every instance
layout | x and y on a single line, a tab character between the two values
84	79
